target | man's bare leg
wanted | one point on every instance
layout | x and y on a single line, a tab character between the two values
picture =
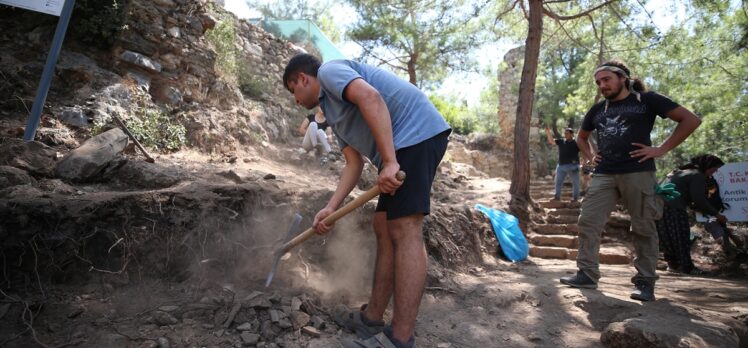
384	273
410	273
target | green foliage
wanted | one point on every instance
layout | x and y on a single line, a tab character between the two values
711	80
423	39
97	22
229	61
456	113
153	127
223	38
250	84
486	112
699	63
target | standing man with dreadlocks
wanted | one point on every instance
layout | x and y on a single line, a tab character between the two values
625	169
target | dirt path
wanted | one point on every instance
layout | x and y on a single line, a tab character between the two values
523	305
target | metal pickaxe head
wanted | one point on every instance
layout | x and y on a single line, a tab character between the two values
277	254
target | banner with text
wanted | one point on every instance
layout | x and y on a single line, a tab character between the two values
732	179
53	7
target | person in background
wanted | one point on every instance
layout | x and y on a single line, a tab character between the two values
731	243
568	162
317	134
674	228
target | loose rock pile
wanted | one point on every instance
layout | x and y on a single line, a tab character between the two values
257	319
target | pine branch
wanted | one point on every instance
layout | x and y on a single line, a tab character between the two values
556	16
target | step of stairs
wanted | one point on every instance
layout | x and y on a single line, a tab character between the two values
552	233
558	204
549	229
617	255
563	241
563	219
563	212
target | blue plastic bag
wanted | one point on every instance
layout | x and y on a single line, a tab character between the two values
506	227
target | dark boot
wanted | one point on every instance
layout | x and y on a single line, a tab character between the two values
580	280
644	291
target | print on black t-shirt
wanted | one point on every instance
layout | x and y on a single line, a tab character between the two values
625	122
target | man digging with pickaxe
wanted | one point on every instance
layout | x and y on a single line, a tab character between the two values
378	115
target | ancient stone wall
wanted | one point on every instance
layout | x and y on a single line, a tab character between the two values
165	50
482	152
509	77
162	63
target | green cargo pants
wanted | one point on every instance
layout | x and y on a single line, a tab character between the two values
636	190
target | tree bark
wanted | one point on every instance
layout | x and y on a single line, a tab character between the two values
520	187
412	71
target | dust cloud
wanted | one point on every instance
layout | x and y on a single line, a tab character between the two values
349	257
239	251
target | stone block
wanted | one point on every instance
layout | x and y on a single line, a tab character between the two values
614	258
668	329
554	241
91	158
565	229
140	60
249	338
12	176
548	252
34	157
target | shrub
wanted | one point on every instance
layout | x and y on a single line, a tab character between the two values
98	22
223	39
250	84
455	113
152	125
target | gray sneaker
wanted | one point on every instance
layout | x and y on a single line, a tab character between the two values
580	280
354	321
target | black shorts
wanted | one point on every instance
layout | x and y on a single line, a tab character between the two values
419	163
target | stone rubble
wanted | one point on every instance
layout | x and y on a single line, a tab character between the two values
261	320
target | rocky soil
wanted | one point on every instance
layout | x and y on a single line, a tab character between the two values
103	249
175	254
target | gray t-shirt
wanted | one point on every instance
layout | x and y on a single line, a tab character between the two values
414	117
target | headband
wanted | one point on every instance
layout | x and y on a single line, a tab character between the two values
614	69
618	70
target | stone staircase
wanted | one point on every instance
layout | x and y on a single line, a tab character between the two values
553	231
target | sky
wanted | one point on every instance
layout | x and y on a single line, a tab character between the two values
469	86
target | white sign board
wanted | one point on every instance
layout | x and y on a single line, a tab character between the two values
53	7
732	179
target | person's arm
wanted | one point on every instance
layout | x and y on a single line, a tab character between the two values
697	191
354	164
687	123
549	136
328	132
377	116
303	127
583	143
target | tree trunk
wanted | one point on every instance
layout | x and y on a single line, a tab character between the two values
412	71
520	188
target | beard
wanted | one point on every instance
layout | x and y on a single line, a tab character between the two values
613	94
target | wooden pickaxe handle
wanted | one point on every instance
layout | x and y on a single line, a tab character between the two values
342	211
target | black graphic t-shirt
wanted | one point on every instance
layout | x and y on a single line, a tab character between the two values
568	152
626	121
